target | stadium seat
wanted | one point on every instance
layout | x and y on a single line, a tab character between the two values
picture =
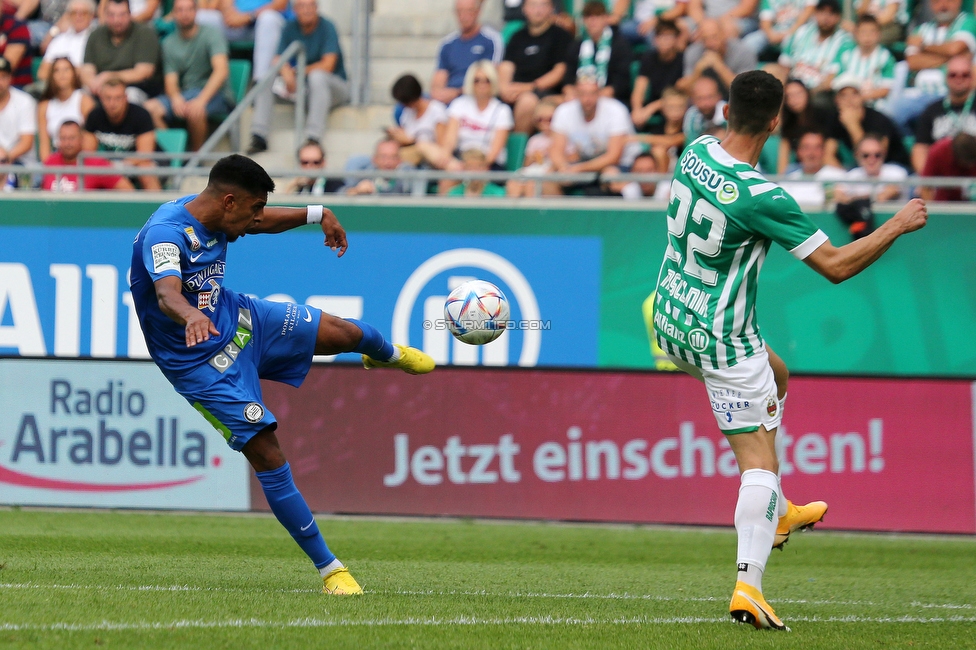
769	157
240	79
516	150
510	28
35	66
172	141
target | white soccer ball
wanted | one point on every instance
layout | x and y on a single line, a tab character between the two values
476	312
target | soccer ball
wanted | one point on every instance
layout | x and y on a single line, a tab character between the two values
476	312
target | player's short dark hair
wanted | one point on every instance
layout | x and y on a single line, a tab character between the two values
406	90
867	19
666	26
755	98
240	172
594	8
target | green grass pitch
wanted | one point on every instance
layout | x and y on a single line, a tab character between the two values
126	580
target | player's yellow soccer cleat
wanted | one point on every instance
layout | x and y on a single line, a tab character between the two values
749	606
341	583
412	361
798	518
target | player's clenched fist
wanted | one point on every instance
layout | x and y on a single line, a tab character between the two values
198	329
914	215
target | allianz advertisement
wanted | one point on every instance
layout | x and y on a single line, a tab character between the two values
109	434
64	291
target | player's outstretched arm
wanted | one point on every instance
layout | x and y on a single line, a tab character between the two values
172	302
839	264
278	219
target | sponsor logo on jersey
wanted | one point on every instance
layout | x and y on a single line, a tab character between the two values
211	243
166	257
194	240
727	400
725	191
772	406
207	298
253	412
214	273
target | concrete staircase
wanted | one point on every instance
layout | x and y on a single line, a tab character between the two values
404	38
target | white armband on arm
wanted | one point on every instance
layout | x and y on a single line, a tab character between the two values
313	213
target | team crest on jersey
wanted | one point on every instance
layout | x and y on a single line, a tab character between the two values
698	339
253	412
772	406
194	240
207	298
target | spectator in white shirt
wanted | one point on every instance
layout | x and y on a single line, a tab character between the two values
71	42
421	125
597	128
18	120
811	155
871	153
478	120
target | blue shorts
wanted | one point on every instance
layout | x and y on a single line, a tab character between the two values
218	104
275	341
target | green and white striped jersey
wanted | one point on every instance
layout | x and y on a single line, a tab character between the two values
875	7
813	59
876	70
962	28
783	13
722	217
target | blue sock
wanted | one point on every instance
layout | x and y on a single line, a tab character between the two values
373	344
289	506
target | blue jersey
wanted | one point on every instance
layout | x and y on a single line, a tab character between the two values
456	54
174	243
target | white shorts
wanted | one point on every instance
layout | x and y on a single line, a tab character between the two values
743	397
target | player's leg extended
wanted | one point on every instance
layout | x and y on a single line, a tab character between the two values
272	470
791	517
755	525
336	335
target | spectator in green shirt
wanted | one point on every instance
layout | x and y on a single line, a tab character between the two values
124	50
197	71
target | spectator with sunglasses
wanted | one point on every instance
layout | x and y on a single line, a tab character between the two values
854	200
954	114
311	158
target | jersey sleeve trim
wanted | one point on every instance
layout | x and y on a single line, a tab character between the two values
812	243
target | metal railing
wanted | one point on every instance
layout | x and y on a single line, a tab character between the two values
426	175
296	49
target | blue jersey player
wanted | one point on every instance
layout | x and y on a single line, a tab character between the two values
214	345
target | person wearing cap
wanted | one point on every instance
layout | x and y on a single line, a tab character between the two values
854	120
812	52
928	50
18	120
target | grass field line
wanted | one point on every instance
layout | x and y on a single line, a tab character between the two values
485	593
456	621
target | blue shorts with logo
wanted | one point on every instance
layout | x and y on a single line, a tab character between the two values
273	341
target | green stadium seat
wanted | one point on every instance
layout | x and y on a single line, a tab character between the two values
172	141
510	28
769	157
35	66
240	78
516	150
241	49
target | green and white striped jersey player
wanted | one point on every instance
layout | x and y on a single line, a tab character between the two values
814	60
874	70
722	218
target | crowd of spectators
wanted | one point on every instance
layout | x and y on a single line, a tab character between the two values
622	86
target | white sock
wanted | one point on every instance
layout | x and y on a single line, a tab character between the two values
330	567
783	506
396	355
755	523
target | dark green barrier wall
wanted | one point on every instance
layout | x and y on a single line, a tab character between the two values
913	313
